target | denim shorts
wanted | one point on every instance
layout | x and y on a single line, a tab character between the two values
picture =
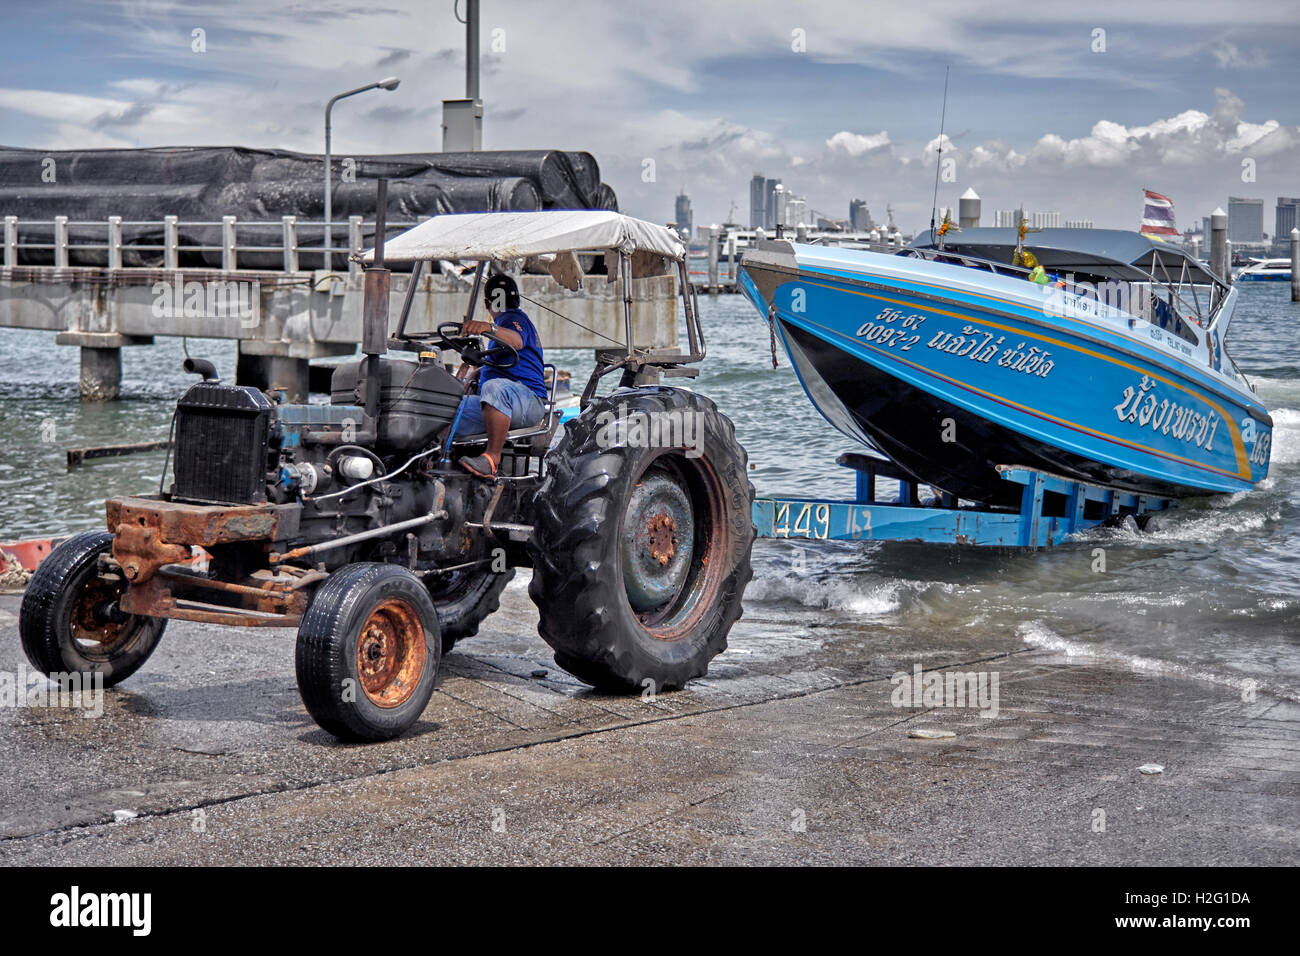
505	395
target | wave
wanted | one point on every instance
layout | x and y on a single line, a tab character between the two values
876	600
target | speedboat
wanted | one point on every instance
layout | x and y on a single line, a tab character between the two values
1106	365
1266	270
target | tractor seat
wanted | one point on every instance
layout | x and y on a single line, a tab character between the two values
514	435
530	437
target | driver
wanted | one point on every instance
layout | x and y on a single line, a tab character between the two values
507	397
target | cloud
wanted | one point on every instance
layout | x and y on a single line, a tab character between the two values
856	144
632	87
1231	57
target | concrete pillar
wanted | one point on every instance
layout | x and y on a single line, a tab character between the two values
1219	245
101	374
1295	265
274	371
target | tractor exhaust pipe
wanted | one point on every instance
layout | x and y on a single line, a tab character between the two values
374	321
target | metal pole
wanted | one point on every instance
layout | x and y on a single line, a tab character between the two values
625	267
228	243
713	259
471	49
289	228
326	257
60	242
11	241
1219	245
1295	265
115	242
388	83
171	241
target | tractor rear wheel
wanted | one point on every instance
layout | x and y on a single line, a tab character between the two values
464	598
641	546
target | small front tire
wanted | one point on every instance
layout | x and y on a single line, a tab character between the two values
368	652
70	621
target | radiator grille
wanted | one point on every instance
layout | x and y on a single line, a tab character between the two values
221	444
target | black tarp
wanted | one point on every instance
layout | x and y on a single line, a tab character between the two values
200	184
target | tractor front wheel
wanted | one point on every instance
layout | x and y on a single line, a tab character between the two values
368	652
70	621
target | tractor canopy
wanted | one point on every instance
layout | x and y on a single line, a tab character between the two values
545	235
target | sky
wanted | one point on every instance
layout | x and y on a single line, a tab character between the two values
1074	107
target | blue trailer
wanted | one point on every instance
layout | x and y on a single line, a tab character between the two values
1051	509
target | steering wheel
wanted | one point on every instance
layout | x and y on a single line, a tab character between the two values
473	353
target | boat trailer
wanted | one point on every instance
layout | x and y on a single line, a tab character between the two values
1051	509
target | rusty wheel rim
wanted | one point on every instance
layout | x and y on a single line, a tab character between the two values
96	637
673	546
391	653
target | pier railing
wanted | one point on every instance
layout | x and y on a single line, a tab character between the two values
170	243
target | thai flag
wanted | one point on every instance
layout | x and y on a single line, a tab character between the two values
1158	216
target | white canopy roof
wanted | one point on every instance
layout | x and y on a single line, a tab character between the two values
516	235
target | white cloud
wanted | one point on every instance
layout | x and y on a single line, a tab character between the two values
856	144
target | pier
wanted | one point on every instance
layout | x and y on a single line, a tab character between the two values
281	319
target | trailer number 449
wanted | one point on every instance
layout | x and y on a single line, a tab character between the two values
814	521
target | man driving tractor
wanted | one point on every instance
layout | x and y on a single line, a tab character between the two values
507	397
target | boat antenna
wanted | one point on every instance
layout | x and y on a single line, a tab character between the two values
943	116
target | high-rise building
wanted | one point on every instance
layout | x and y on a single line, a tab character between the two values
769	210
1287	216
1078	224
684	217
757	201
859	216
1046	220
1245	219
1008	218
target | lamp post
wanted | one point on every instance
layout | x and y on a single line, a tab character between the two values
388	83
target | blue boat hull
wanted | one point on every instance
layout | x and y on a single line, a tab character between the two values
952	384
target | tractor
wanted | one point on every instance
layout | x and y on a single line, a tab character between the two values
353	522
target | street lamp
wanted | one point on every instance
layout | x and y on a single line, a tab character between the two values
388	83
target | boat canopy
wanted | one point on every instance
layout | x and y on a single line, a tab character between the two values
505	236
1107	253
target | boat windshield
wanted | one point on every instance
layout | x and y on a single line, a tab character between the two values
1176	302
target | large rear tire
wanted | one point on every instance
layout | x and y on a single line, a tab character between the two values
463	599
368	651
641	554
70	621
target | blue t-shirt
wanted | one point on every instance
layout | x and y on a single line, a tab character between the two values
529	369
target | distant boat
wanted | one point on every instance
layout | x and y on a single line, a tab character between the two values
742	240
951	363
1266	270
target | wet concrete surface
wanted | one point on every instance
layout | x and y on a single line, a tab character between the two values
789	752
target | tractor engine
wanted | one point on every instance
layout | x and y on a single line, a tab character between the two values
234	445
